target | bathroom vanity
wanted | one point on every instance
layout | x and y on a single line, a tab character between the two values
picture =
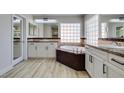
104	62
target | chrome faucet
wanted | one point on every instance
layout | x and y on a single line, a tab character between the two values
116	43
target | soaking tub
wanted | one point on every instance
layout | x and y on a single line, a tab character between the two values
72	56
73	49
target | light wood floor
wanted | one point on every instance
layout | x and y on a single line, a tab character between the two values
43	68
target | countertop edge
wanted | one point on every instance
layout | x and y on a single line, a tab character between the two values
108	51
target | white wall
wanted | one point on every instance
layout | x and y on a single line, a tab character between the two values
5	41
65	19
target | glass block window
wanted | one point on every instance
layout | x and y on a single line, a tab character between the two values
104	30
91	30
70	32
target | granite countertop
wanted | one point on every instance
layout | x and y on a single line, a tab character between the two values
42	41
116	51
45	40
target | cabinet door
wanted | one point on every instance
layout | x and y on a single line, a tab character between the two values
99	68
114	73
42	50
32	50
52	50
89	64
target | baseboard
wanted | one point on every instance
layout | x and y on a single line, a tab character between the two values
3	71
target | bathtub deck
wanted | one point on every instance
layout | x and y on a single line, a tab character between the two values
43	68
73	49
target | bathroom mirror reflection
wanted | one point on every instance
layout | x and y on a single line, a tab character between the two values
17	37
43	30
50	30
120	31
112	26
33	29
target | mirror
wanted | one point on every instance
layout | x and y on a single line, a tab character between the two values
43	30
112	26
33	30
120	31
50	30
17	37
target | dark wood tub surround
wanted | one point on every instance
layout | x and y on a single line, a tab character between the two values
73	60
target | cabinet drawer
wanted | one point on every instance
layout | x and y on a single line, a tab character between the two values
97	52
116	61
101	54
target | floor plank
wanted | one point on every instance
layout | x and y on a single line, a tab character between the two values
43	68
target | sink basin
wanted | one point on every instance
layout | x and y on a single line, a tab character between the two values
112	47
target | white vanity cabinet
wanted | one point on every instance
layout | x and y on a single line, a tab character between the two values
115	67
42	49
32	50
89	63
99	68
94	64
114	73
52	50
100	64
